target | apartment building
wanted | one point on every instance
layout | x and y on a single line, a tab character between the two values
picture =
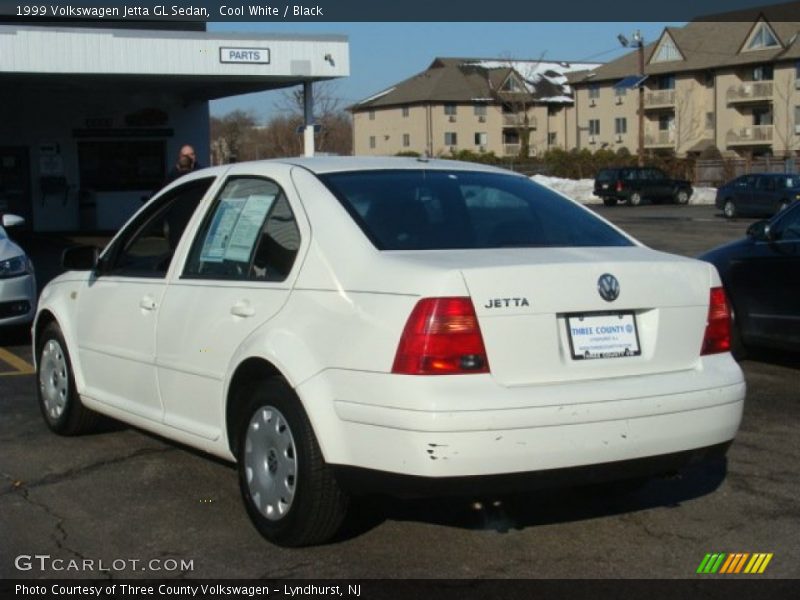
733	85
480	105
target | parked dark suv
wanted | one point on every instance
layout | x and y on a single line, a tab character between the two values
758	194
633	184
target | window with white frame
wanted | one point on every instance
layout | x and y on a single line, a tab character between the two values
479	110
709	120
620	91
406	140
763	37
450	138
481	138
372	141
450	109
594	126
372	115
405	111
594	91
552	138
797	120
620	125
666	52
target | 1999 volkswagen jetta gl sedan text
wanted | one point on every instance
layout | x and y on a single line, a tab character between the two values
338	325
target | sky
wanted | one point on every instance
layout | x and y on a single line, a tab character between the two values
382	54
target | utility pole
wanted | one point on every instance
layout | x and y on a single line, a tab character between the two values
638	41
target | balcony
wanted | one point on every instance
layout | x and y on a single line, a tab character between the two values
511	149
518	120
752	91
659	99
751	135
659	139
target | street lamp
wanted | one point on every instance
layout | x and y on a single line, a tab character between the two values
638	41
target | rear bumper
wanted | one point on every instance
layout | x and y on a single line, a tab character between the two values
470	426
369	481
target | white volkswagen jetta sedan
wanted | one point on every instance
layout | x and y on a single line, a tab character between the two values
17	279
342	325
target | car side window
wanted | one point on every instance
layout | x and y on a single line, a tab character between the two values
147	250
250	233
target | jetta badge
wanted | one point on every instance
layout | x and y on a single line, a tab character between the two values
608	286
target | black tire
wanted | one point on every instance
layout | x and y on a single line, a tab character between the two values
610	201
729	209
61	407
682	197
635	199
314	504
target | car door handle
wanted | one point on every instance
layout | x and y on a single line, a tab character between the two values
147	303
243	309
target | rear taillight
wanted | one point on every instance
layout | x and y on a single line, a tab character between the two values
441	337
718	330
619	186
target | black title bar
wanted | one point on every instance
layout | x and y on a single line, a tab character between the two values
401	11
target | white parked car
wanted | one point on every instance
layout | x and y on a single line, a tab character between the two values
17	279
336	325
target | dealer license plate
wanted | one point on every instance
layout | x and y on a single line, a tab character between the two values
607	335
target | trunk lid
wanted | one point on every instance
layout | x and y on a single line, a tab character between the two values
524	297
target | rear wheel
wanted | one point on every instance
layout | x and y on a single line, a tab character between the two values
682	197
635	199
58	400
610	201
729	209
289	492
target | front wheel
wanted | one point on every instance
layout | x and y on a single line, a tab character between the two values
635	199
290	493
682	197
59	402
729	209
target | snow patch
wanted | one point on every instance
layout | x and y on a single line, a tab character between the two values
582	190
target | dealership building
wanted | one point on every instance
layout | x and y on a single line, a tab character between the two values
93	117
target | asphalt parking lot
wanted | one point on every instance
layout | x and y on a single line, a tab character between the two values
122	495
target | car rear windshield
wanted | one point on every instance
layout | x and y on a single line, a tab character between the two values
438	210
606	175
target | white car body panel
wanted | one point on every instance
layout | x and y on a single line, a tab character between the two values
332	329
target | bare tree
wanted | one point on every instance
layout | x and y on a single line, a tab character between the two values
784	125
515	90
689	124
230	134
335	132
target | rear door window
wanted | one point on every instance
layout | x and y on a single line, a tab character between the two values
250	233
419	210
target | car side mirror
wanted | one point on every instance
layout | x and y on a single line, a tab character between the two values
80	258
760	231
12	220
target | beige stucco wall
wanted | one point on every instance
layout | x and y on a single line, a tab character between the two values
607	107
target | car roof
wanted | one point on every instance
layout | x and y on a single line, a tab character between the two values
337	164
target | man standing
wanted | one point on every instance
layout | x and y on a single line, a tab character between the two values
187	162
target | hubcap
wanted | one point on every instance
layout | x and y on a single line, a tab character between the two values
270	463
729	209
54	379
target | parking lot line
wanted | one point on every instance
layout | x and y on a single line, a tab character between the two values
22	367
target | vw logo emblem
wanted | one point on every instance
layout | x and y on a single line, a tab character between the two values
608	286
